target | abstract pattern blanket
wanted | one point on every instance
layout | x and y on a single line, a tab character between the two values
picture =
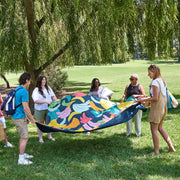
80	112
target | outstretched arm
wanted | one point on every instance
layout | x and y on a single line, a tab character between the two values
124	95
28	112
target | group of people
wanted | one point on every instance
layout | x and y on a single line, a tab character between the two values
157	99
44	95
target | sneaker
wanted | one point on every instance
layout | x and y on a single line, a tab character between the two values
88	133
28	156
8	145
24	162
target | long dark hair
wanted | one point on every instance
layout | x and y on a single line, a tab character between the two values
38	84
93	84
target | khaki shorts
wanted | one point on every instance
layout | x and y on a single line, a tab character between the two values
40	114
21	127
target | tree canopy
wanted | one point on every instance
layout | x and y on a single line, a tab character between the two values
35	33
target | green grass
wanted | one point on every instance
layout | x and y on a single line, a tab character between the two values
106	155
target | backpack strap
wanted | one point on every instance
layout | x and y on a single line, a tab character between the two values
16	91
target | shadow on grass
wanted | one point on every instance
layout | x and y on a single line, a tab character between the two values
163	62
76	86
99	155
114	155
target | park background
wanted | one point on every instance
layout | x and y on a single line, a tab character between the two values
88	39
108	154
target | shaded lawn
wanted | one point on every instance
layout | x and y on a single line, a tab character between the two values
108	154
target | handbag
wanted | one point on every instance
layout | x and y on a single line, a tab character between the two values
171	101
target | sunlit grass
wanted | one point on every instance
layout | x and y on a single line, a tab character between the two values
108	154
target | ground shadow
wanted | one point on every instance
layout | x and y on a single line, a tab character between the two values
112	152
76	86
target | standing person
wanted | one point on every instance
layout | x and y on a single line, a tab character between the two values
20	119
134	90
2	120
42	96
158	108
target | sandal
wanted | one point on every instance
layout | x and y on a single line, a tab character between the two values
41	141
52	139
153	153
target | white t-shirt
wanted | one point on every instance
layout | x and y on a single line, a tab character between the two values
37	96
155	83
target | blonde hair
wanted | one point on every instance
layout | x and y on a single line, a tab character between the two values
156	70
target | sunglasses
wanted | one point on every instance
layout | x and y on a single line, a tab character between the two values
131	79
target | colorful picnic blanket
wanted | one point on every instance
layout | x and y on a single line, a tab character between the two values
80	112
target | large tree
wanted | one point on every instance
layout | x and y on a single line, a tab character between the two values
35	33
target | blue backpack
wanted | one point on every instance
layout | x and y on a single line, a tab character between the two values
9	103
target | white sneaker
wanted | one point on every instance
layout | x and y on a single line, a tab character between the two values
88	133
24	162
8	145
28	156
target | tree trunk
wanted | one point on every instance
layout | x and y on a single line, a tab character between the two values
7	83
31	102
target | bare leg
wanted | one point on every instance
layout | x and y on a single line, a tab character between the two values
5	137
40	132
155	137
22	145
166	137
50	137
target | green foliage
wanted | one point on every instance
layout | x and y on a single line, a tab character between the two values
56	78
161	27
87	32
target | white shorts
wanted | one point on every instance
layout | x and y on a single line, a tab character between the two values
2	120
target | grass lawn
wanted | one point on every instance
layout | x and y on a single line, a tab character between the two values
108	154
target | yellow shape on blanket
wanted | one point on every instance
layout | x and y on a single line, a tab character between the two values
73	124
80	130
80	98
124	104
93	106
106	104
55	124
72	114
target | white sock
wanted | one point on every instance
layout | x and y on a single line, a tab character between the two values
21	156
